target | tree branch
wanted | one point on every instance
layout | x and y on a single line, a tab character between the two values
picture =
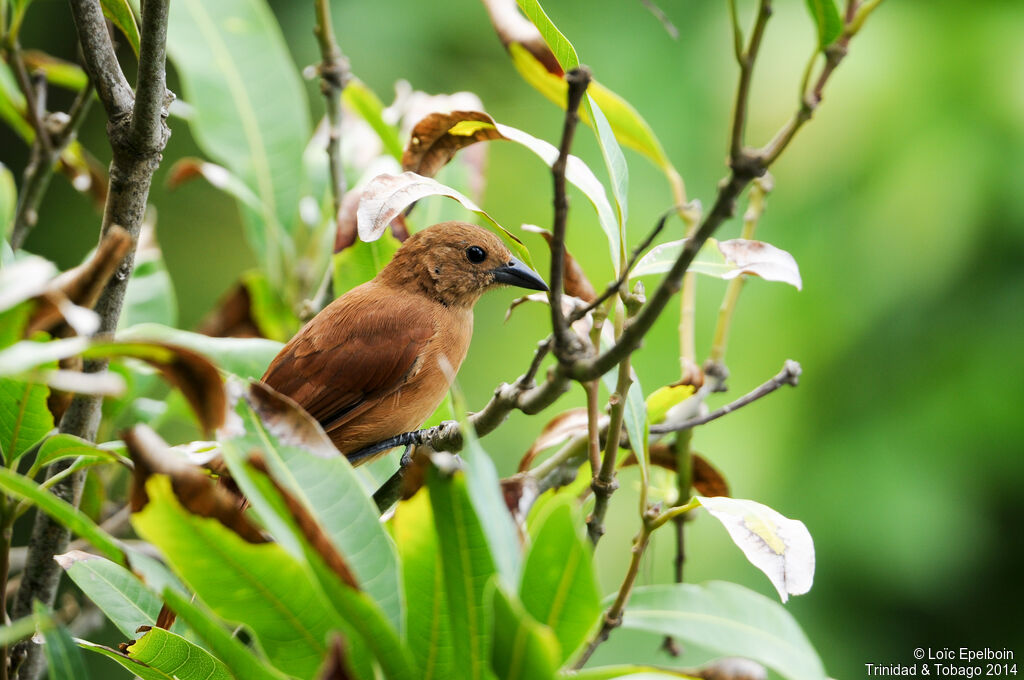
746	61
40	168
334	75
789	375
565	343
138	133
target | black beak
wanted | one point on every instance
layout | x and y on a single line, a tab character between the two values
515	273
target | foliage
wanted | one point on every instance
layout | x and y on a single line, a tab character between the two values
471	575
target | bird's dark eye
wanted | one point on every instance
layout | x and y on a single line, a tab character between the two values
476	254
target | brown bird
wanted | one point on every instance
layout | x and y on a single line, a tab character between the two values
370	365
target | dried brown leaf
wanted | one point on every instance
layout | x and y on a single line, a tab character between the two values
192	373
576	282
433	141
512	27
519	491
195	490
336	664
287	421
79	287
232	317
559	429
705	478
165	619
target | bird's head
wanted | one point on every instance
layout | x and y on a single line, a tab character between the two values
455	263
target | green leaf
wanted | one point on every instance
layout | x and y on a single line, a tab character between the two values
119	594
664	398
368	629
244	357
727	619
331	491
242	660
523	649
24	416
71	517
623	672
226	53
488	500
467	566
163	655
12	105
826	20
8	200
150	296
362	261
259	585
427	625
610	151
63	659
361	99
273	316
57	71
22	628
64	446
629	126
559	587
119	12
634	416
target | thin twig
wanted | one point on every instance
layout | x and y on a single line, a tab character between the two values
565	343
615	286
593	427
35	109
746	62
789	375
334	75
604	484
40	169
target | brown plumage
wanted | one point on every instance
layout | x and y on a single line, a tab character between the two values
370	365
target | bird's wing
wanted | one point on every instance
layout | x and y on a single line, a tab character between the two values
347	360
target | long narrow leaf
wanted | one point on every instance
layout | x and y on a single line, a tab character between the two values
71	517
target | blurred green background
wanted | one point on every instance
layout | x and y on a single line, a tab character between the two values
903	202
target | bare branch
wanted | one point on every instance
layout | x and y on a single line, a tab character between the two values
746	61
615	286
138	134
334	75
565	345
604	484
789	375
100	61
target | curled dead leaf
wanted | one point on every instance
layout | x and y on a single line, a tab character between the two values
576	282
559	429
519	491
287	421
436	138
65	304
705	478
195	490
336	664
730	668
232	316
512	27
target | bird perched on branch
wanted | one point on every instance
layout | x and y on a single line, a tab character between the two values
375	362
